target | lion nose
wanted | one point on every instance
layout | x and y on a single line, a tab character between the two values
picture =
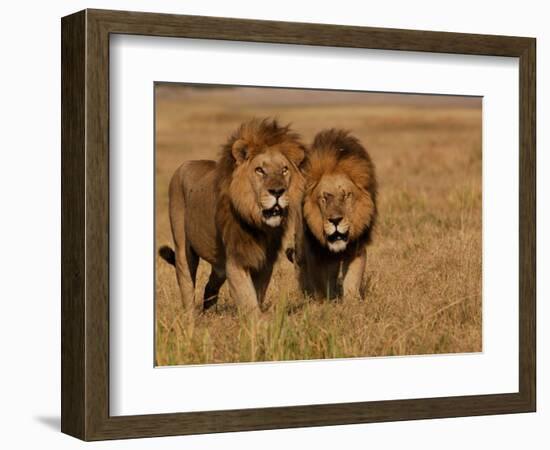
335	220
276	192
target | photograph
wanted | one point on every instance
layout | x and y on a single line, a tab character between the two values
305	224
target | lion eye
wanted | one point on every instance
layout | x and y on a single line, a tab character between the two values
285	170
260	171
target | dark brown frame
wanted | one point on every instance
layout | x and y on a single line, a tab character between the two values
85	224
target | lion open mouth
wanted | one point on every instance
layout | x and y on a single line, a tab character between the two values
337	236
275	211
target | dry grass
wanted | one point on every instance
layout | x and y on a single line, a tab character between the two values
424	267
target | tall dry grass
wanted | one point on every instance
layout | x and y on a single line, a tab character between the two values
423	272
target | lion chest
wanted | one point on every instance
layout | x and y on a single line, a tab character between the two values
254	248
322	269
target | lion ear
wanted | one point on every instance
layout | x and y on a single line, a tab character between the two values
239	151
297	155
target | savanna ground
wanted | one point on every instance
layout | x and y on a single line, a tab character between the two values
423	273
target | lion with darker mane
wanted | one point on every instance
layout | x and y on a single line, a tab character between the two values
233	213
338	215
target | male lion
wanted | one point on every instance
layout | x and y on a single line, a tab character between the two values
233	213
339	211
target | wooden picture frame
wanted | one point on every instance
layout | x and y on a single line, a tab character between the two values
85	224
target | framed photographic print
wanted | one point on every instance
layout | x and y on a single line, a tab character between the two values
270	224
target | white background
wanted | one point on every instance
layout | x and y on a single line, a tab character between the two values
136	387
30	242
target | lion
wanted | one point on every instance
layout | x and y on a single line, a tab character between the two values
234	213
338	216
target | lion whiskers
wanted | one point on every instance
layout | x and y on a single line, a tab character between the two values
283	201
330	228
268	201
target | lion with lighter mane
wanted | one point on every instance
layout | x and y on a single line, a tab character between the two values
233	213
338	215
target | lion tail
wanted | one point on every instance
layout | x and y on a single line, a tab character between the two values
167	254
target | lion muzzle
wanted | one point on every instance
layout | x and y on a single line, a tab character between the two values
337	235
274	208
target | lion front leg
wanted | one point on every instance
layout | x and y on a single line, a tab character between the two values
261	283
241	288
353	275
212	288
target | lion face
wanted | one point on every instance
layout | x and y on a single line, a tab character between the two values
260	186
337	211
270	180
